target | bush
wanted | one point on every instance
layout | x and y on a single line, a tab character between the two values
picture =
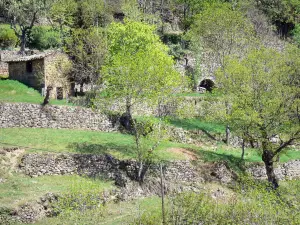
44	38
253	203
8	39
296	34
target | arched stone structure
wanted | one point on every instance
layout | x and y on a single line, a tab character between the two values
207	83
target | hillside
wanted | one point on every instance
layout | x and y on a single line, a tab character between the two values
149	112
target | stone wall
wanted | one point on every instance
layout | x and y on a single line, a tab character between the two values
288	170
57	68
32	115
178	175
93	165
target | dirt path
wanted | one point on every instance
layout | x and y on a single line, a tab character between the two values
184	152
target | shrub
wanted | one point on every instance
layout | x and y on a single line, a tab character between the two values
44	38
8	39
253	203
296	34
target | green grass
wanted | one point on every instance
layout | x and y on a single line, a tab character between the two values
14	91
76	141
197	124
19	189
200	95
113	214
120	145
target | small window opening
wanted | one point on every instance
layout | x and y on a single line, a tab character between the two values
29	67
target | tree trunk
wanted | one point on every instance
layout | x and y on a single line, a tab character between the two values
47	97
227	134
23	42
81	88
141	167
267	158
243	149
162	189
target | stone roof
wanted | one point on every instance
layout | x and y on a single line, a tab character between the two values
20	58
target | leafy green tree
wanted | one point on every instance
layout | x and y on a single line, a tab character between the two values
221	31
62	16
138	70
263	90
23	15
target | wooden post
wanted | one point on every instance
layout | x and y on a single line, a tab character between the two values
162	196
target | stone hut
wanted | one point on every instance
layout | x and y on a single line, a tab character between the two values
42	70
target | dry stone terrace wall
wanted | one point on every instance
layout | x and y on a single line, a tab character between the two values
94	165
288	170
32	115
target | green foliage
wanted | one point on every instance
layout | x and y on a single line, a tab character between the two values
8	39
138	67
193	7
88	48
222	30
23	15
296	34
82	196
252	202
261	89
44	38
281	10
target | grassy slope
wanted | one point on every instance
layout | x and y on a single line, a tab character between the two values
75	141
119	145
19	189
14	91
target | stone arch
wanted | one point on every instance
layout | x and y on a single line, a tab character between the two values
207	83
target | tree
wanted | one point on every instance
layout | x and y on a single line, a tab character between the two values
138	69
283	13
220	31
263	89
296	34
23	14
62	15
87	48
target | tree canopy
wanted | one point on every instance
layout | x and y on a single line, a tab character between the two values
263	92
138	67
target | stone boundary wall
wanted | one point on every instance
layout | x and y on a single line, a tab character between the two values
288	170
94	165
38	116
122	171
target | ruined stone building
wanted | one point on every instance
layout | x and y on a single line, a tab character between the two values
42	70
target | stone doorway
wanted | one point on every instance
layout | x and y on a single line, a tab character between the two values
59	93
